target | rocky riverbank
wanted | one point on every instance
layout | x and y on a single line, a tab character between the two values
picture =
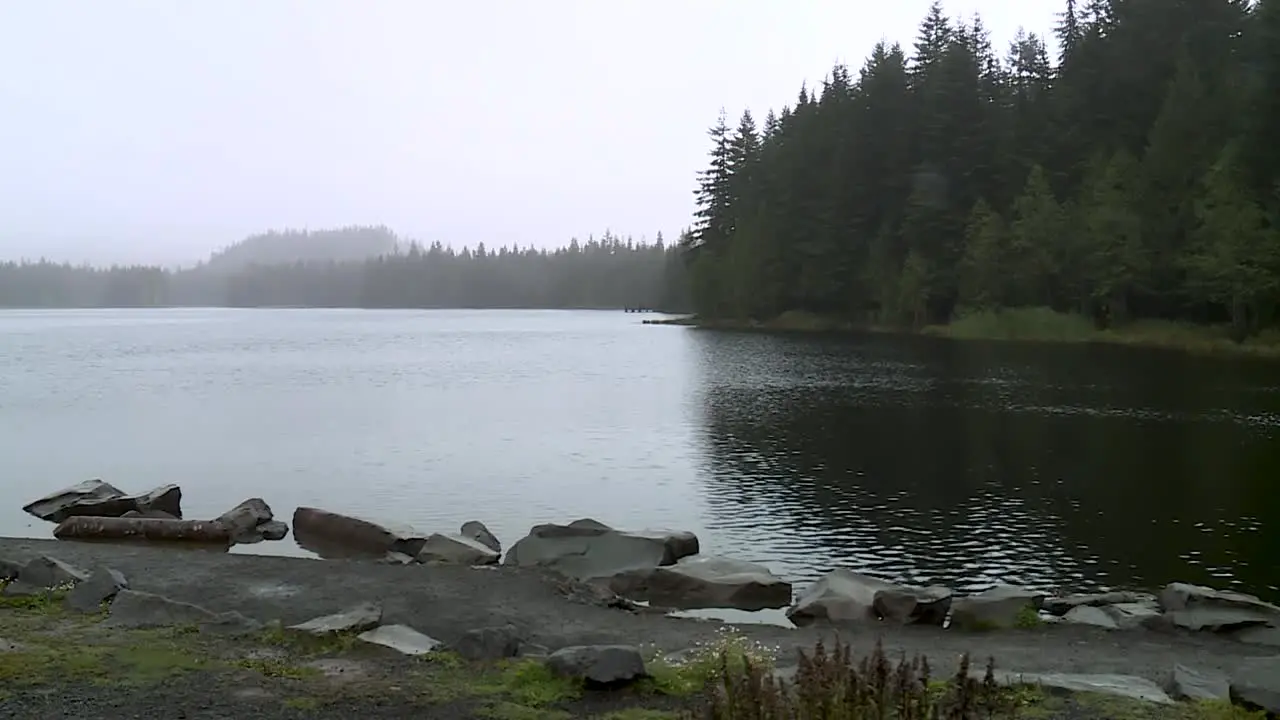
223	617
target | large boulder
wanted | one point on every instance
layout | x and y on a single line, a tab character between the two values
330	534
252	522
55	507
1196	607
843	596
705	581
477	531
99	499
587	549
999	608
456	550
606	665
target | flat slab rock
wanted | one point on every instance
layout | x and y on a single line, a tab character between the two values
1257	682
588	549
401	638
358	619
1187	683
1129	686
997	608
708	581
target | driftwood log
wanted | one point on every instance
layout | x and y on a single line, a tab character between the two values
82	527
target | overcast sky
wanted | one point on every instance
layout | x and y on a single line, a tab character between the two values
154	131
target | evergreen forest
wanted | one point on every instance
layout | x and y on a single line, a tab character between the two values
1127	168
369	267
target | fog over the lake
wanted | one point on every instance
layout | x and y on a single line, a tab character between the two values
155	131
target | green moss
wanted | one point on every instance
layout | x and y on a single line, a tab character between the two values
305	704
308	644
48	602
1027	618
275	668
531	682
512	711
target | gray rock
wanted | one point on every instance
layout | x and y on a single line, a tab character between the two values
1129	616
243	520
54	507
166	500
1090	615
1000	607
273	530
50	572
587	549
1196	607
477	531
401	638
1256	682
230	623
102	585
365	616
598	664
1217	619
456	550
1129	686
17	588
489	643
707	581
9	569
396	558
1189	684
331	534
1258	635
1063	605
135	609
844	596
152	514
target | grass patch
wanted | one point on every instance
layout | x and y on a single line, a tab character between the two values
705	663
531	683
46	602
276	668
1042	324
1027	618
1061	704
641	714
304	643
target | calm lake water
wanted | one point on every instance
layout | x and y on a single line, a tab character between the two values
917	459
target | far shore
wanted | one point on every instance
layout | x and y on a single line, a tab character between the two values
1030	325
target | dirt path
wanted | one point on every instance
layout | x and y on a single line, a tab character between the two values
444	602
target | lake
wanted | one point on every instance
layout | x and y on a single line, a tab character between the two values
918	459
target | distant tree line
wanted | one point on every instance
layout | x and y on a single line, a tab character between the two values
1138	175
608	272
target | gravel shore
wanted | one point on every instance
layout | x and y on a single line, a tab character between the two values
445	602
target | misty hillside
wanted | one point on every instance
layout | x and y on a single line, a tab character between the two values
290	246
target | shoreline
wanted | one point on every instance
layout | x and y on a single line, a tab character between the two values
1194	340
45	647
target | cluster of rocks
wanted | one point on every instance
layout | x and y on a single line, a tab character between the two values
843	596
99	510
661	567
